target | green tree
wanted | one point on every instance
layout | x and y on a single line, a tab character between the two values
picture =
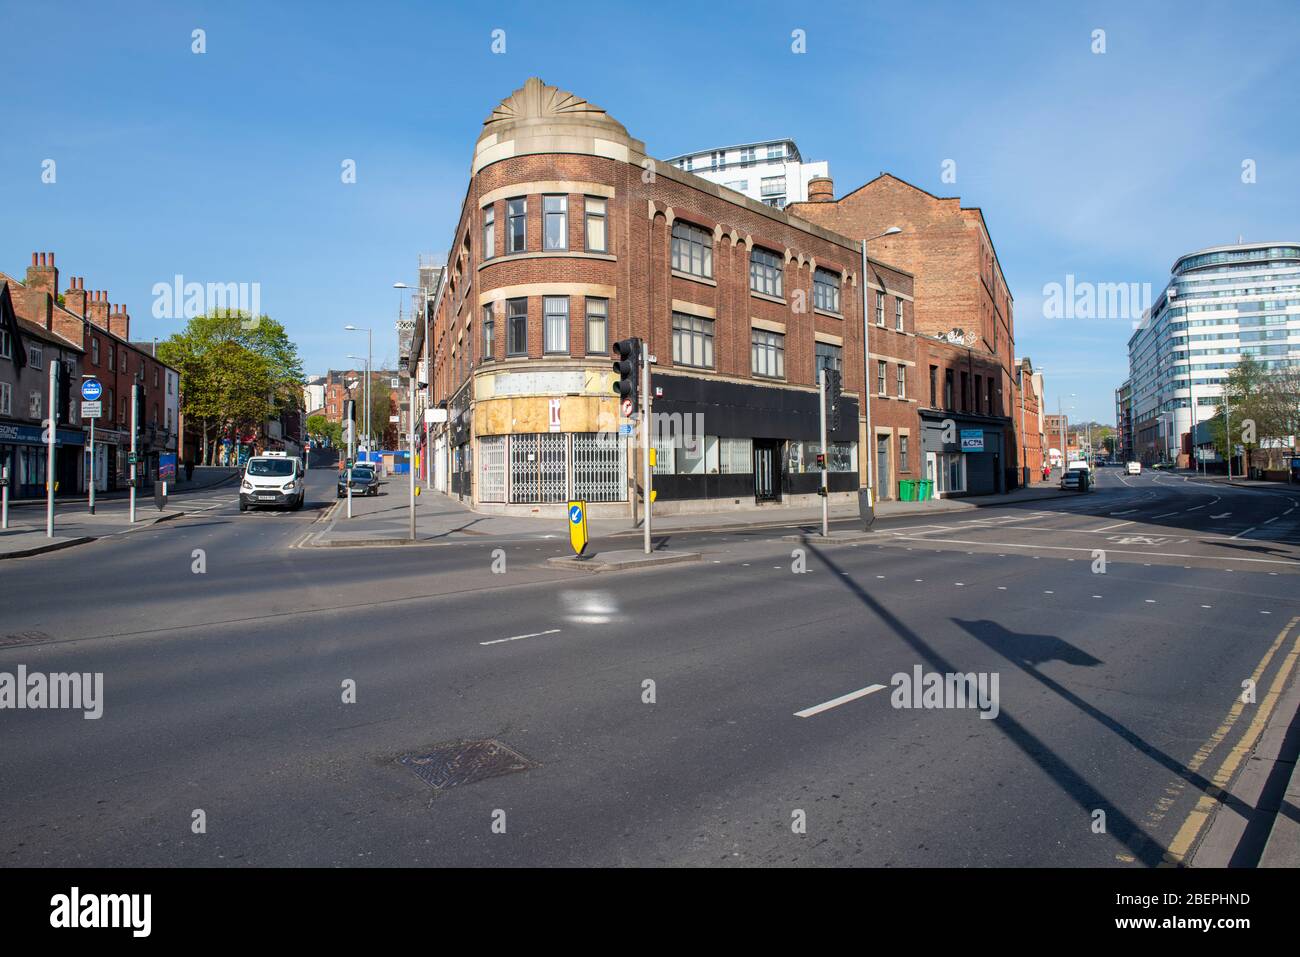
236	373
320	427
381	408
1246	416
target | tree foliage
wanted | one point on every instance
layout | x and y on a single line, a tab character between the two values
236	372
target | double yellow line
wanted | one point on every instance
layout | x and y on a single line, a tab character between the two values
1212	798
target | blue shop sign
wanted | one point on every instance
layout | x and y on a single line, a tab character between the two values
11	434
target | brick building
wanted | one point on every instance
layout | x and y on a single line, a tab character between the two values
102	331
1056	427
571	238
963	318
1033	445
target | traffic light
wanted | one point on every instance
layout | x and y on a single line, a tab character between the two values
821	460
139	407
833	392
62	394
628	366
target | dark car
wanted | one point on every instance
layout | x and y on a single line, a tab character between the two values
364	481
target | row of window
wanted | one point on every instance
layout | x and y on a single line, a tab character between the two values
555	225
984	394
692	254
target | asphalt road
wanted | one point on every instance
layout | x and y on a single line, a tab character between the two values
223	690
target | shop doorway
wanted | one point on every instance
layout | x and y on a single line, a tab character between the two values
767	470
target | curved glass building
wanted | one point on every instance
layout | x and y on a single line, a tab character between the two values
1221	303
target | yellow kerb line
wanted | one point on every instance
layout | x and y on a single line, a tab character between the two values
1197	817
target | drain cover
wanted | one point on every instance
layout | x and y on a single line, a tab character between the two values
465	762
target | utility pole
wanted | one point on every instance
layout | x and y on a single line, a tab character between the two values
135	415
50	437
646	473
825	492
410	433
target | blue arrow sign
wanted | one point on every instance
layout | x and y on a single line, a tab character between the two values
575	514
91	390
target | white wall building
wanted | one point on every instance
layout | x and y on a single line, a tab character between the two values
1221	303
771	171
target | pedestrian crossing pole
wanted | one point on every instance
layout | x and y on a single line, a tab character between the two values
50	436
821	400
135	418
646	473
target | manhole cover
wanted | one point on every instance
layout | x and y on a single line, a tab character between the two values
465	762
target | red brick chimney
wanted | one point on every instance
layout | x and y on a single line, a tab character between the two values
119	322
821	189
97	309
74	297
42	274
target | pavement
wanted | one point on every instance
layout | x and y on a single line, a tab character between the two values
210	488
385	518
464	702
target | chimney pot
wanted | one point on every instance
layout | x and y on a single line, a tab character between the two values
34	259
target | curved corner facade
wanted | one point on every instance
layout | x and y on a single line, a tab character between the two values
571	238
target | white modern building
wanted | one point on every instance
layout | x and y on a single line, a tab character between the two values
1221	303
771	171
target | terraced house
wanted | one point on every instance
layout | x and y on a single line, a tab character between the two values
570	238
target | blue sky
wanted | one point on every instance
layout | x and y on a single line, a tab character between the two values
225	167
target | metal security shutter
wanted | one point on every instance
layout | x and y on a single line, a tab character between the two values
539	468
599	467
492	456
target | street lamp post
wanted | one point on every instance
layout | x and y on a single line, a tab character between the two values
370	352
870	450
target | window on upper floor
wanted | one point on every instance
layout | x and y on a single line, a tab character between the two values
826	290
880	309
692	341
517	327
35	357
898	314
765	271
881	366
767	353
747	156
901	381
555	318
489	331
517	225
692	250
597	239
94	350
597	326
6	399
489	231
934	387
829	357
556	212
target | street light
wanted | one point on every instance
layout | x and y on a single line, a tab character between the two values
410	415
365	391
870	450
370	352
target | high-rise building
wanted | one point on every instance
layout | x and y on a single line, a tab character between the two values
770	171
1221	303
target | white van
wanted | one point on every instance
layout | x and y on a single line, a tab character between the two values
274	479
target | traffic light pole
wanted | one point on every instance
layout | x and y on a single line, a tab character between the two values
645	442
49	447
135	418
821	399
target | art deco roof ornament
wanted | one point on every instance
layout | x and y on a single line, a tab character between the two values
536	100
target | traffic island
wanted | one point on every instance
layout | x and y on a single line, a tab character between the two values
622	560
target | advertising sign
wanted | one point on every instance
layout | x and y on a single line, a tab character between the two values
972	440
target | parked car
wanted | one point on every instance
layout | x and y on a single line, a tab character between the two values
1077	478
272	479
364	481
1133	468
